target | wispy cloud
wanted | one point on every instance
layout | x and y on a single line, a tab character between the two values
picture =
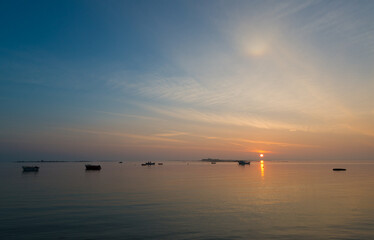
170	134
126	135
265	79
266	68
123	115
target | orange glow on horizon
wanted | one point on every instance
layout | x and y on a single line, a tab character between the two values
262	151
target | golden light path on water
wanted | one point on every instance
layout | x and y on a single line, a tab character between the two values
214	201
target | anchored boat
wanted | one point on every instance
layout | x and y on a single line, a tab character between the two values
244	162
339	169
93	167
30	168
148	163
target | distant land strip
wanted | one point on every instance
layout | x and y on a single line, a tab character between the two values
49	161
222	160
230	160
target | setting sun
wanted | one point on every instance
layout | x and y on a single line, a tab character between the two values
147	108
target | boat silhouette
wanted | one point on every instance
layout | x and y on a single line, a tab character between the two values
93	167
148	163
244	162
339	169
30	168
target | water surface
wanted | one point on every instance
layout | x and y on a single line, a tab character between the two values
187	200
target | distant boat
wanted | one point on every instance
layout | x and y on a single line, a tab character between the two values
160	163
30	168
119	162
339	169
93	167
148	164
244	162
213	163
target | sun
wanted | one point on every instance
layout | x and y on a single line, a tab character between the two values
261	155
257	49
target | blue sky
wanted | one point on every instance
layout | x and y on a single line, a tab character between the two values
139	80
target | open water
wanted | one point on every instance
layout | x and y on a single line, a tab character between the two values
187	200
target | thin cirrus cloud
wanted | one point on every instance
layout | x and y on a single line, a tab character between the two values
266	72
273	71
236	76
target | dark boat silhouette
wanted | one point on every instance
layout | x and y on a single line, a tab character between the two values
339	169
148	163
244	162
30	168
93	167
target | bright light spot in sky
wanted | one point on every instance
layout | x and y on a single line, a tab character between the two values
238	78
257	49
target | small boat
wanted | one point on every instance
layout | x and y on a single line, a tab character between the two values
30	168
119	162
93	167
339	169
213	163
244	162
148	163
160	163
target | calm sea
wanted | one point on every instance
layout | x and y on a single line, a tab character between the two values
187	200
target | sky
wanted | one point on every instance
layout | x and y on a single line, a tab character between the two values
186	80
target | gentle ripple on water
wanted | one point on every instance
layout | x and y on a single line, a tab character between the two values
180	201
